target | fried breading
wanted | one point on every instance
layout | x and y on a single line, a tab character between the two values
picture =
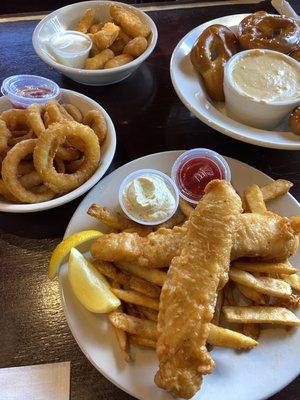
268	237
189	295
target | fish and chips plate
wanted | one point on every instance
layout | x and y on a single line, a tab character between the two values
250	345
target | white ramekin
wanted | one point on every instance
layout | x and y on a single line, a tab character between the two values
263	115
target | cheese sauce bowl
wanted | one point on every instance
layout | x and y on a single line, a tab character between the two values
65	18
148	197
258	112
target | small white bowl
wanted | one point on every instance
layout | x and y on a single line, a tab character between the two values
108	149
65	18
148	171
242	108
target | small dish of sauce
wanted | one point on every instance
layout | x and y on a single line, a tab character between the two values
148	196
70	48
23	90
194	169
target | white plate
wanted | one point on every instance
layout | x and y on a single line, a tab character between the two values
250	375
108	149
190	89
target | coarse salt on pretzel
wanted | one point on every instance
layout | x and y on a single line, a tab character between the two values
213	49
264	31
294	120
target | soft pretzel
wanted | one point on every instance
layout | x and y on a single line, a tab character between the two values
294	120
213	49
296	54
264	31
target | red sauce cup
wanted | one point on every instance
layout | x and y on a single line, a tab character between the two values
192	171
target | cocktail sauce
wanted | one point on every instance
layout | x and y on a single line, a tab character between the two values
194	175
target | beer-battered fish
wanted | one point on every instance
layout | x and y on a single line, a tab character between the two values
268	236
189	294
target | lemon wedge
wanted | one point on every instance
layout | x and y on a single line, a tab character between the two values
89	285
64	248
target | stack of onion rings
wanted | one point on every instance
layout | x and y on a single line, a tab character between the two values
46	151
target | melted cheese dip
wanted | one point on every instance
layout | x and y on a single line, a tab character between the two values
266	77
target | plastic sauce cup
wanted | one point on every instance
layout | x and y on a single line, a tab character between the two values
149	172
66	54
192	171
23	90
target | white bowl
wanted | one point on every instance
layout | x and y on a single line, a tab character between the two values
245	109
108	149
66	18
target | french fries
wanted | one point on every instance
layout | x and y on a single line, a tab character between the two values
149	274
251	294
265	285
293	280
148	313
265	267
142	342
147	329
254	200
113	220
185	208
296	223
260	315
130	296
135	326
252	330
275	189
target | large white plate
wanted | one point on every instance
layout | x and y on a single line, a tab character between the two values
190	89
250	375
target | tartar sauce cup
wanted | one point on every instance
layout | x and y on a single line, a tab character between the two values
70	48
23	90
169	183
194	168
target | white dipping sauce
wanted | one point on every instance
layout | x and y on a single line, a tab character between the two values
70	48
71	43
266	77
148	198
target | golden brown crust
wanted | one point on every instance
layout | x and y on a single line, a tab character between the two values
294	120
264	31
214	47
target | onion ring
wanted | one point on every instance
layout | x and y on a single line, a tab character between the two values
46	149
95	120
19	136
73	111
6	193
72	166
10	173
16	119
34	119
25	167
4	136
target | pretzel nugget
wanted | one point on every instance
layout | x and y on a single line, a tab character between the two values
118	45
129	21
98	61
95	120
106	36
117	61
86	21
136	46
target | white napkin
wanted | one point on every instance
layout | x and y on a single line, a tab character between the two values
36	382
284	8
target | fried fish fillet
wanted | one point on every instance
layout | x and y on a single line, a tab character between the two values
189	294
268	236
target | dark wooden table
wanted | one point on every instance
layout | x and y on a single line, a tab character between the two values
149	118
